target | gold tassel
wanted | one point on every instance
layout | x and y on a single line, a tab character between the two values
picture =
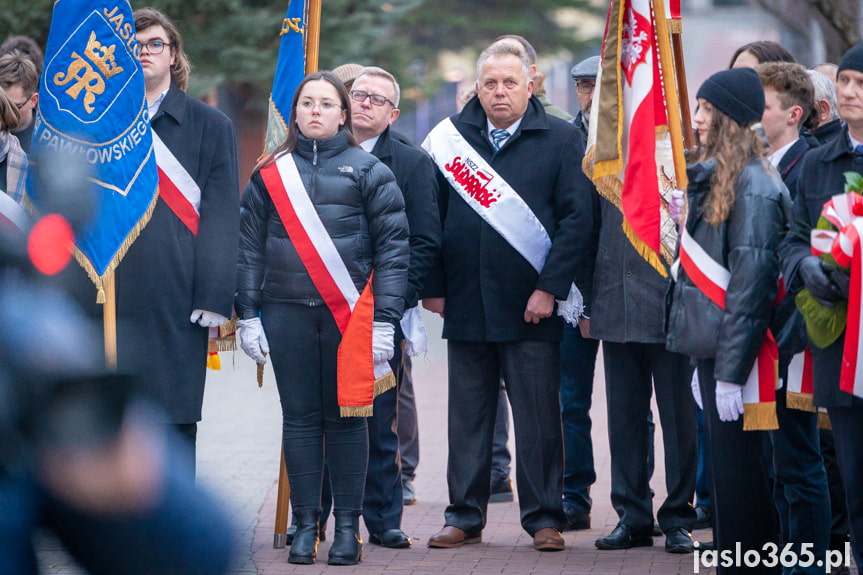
261	374
643	250
355	410
824	420
213	361
801	401
760	416
384	383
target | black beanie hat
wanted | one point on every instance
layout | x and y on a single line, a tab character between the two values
737	92
852	60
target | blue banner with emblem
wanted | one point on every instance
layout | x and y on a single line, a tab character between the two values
93	113
290	71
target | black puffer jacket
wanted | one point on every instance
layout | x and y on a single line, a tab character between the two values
745	244
361	207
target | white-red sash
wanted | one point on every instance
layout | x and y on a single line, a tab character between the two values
496	202
176	187
851	377
759	391
12	214
364	378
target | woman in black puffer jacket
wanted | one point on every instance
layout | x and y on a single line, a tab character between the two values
737	214
356	199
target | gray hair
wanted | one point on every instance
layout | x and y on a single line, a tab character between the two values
503	49
381	73
825	89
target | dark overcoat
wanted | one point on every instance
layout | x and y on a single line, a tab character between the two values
168	271
822	175
415	175
486	282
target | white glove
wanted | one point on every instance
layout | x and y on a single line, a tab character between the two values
729	400
696	389
207	318
675	206
253	340
383	336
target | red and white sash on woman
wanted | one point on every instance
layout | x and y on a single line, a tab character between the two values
759	391
359	378
496	202
176	187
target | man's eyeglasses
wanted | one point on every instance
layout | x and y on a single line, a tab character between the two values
377	99
155	47
585	87
22	104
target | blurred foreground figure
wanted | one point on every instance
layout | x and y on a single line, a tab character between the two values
81	453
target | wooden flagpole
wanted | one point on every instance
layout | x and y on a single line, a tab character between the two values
109	321
312	36
674	106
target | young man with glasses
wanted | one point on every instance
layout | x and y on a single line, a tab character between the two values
374	107
20	80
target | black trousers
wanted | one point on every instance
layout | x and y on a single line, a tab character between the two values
304	343
383	502
848	435
633	371
531	371
743	509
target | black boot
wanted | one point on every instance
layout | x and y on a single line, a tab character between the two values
305	545
347	547
292	530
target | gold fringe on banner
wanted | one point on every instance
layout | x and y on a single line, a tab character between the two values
760	416
85	263
644	250
675	26
824	420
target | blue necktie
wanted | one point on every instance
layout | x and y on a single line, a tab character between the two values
498	136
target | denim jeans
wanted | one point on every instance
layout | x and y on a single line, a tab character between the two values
577	361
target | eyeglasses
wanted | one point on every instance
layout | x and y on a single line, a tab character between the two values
584	87
377	99
155	47
24	103
325	106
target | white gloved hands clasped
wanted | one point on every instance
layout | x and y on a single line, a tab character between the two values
675	206
383	341
253	340
207	318
729	400
696	389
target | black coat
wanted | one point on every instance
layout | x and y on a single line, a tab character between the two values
415	175
486	282
745	244
821	177
169	272
362	209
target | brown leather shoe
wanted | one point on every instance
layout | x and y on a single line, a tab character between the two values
548	539
450	536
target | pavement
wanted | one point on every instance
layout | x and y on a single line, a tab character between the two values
238	458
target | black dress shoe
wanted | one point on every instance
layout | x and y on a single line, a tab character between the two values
392	538
678	540
703	517
575	520
623	537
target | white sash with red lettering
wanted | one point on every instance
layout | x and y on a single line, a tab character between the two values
176	187
496	202
712	278
316	248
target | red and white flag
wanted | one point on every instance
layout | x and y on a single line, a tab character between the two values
630	154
